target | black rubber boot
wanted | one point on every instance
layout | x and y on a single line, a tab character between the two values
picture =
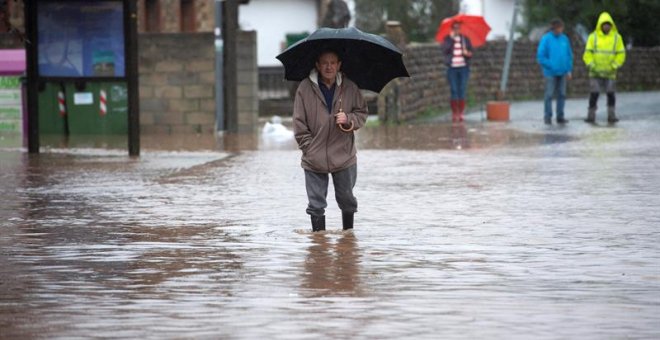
593	101
591	115
611	115
347	220
318	223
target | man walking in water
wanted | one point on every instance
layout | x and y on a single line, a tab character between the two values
328	107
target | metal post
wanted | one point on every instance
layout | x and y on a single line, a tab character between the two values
509	50
219	71
230	67
32	76
131	46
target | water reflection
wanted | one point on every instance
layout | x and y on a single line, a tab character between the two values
459	137
469	135
331	268
446	136
551	138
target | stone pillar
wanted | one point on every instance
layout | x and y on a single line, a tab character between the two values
142	16
170	16
204	18
177	83
389	101
396	35
248	81
16	14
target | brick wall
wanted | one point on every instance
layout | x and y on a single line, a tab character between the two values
170	20
428	89
204	16
177	82
169	15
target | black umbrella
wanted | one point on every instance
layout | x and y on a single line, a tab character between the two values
369	60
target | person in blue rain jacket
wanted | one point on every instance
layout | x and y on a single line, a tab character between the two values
555	56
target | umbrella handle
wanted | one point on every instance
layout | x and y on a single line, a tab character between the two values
341	110
347	130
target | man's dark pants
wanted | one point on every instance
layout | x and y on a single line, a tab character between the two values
317	190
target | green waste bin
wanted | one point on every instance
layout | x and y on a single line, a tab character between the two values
101	108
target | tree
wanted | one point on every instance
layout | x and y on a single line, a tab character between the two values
419	18
641	23
336	15
634	18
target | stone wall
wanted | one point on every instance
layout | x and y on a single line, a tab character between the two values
428	89
248	81
177	82
204	16
170	19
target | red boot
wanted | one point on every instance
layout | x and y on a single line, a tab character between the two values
461	109
454	110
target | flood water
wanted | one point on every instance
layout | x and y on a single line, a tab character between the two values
480	231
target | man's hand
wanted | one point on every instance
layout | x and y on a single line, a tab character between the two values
569	76
340	118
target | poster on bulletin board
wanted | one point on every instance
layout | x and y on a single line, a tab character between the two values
81	38
10	104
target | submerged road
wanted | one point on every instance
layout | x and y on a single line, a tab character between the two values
481	230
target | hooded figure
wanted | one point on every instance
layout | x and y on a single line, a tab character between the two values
603	55
555	56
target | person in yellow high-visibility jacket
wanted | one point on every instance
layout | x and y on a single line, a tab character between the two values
604	54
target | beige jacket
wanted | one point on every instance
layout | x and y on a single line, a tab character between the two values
325	147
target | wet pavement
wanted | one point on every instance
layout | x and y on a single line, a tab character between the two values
483	230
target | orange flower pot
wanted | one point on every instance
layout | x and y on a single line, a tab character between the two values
497	111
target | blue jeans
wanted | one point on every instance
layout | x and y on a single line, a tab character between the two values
458	78
556	84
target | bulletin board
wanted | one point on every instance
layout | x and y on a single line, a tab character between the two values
81	39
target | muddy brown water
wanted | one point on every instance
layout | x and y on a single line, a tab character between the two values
473	231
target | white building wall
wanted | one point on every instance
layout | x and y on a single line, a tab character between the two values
498	14
273	19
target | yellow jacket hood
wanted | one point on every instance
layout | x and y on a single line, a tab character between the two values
603	18
604	54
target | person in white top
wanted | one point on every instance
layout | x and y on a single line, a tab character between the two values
457	50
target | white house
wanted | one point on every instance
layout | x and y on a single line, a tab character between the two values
273	19
498	14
